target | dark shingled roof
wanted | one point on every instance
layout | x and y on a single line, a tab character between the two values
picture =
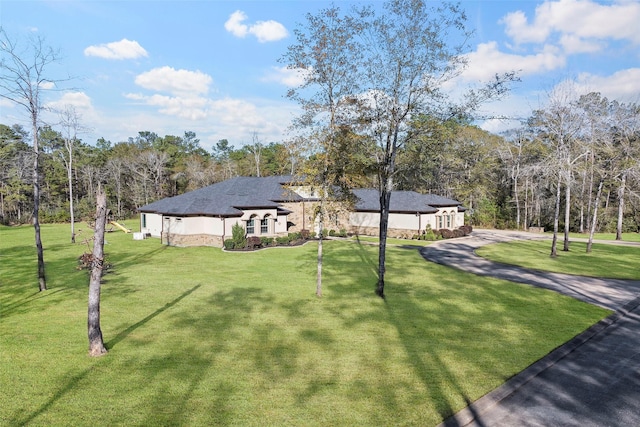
401	201
227	198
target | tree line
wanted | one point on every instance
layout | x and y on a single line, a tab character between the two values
145	168
505	181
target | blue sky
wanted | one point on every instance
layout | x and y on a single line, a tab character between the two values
212	66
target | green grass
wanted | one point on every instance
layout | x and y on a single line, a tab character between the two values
197	336
611	261
393	241
626	237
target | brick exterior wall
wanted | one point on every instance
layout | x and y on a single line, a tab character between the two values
301	216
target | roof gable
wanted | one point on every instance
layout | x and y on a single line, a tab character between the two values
401	201
231	197
227	198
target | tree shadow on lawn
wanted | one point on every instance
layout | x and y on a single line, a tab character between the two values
19	279
204	337
427	304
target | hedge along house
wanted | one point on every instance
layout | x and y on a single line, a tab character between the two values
276	205
205	217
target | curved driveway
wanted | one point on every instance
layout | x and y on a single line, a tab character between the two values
593	380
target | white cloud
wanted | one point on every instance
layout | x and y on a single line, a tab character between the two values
234	24
579	19
212	119
623	85
189	107
168	79
47	85
286	76
268	31
124	49
80	100
264	31
488	60
573	44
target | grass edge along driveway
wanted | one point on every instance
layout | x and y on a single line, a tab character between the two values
197	336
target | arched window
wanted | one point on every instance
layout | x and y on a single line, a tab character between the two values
453	219
448	217
251	229
264	224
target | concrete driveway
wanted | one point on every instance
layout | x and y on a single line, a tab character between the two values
593	380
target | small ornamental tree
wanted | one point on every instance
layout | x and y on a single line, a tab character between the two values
238	236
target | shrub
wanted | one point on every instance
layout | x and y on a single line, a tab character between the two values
429	234
229	244
313	235
294	236
283	240
254	242
238	236
304	234
457	233
466	229
446	233
266	241
342	233
332	233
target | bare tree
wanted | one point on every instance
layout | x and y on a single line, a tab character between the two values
22	80
255	148
70	122
115	168
558	124
96	343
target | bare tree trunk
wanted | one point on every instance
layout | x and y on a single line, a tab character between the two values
594	221
385	200
621	191
525	221
582	190
320	237
70	180
515	191
42	281
589	205
567	212
96	344
556	220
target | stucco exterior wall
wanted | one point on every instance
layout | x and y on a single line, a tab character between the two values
151	224
404	224
399	221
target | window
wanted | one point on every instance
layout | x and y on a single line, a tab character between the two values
250	226
440	222
264	226
144	220
448	221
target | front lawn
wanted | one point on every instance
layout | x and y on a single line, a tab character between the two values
605	260
197	336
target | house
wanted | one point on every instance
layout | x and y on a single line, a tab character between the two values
276	205
410	213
